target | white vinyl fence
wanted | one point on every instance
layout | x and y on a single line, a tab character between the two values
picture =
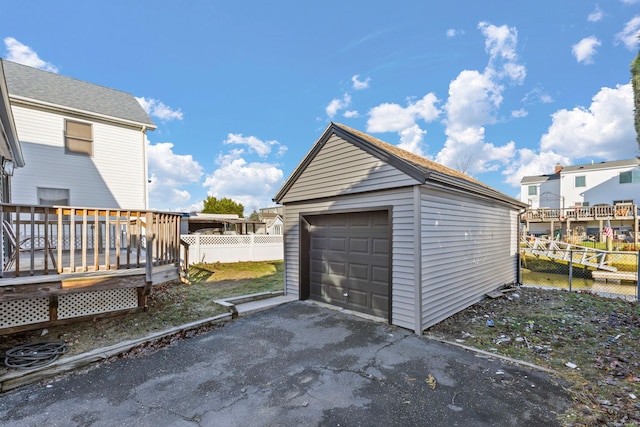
211	248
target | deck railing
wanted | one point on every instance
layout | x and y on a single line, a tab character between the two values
618	211
39	240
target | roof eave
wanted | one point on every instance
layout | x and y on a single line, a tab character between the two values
476	189
8	123
21	100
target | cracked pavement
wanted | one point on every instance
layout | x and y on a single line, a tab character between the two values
296	364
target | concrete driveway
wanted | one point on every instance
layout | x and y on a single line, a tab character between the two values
299	364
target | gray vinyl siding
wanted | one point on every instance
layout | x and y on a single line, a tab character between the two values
403	243
342	168
113	177
468	249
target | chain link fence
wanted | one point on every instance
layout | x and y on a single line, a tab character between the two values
604	273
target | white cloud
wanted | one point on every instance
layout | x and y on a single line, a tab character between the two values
168	173
351	113
251	183
604	130
411	139
389	117
452	32
474	101
519	113
630	1
529	163
337	104
629	35
537	95
596	15
500	44
359	84
158	109
256	145
585	49
23	54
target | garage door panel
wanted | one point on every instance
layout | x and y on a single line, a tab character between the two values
379	303
318	266
338	244
380	246
358	271
359	245
379	274
318	244
337	268
359	298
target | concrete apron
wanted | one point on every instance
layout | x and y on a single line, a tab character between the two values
296	364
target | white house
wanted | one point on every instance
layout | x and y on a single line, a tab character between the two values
373	228
586	195
83	144
10	150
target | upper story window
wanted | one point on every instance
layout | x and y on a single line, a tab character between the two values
630	176
581	181
78	137
533	190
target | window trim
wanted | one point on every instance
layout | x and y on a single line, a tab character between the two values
534	188
584	181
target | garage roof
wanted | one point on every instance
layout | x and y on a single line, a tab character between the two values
417	167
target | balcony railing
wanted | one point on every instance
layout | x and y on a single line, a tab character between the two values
39	240
590	213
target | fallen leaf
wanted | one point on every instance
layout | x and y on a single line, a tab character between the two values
431	381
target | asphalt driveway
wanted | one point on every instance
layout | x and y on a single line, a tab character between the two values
295	365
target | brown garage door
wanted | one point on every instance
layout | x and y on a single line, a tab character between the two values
349	260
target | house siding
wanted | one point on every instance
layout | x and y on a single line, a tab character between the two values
601	186
113	177
342	168
402	246
469	248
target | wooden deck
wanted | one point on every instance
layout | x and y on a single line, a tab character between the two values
63	264
593	213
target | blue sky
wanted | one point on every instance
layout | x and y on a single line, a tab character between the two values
240	91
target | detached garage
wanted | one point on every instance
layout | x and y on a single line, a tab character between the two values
376	229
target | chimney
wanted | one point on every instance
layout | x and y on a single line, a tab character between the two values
558	168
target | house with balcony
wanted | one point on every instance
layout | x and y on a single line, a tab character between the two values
575	202
76	236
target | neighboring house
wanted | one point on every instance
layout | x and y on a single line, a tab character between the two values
10	150
273	210
583	196
83	144
373	228
273	222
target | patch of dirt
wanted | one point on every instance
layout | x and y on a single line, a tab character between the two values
591	341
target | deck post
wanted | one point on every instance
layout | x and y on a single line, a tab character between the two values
570	268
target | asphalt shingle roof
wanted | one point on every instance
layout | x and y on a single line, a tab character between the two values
52	88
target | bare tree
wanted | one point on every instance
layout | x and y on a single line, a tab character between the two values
463	161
